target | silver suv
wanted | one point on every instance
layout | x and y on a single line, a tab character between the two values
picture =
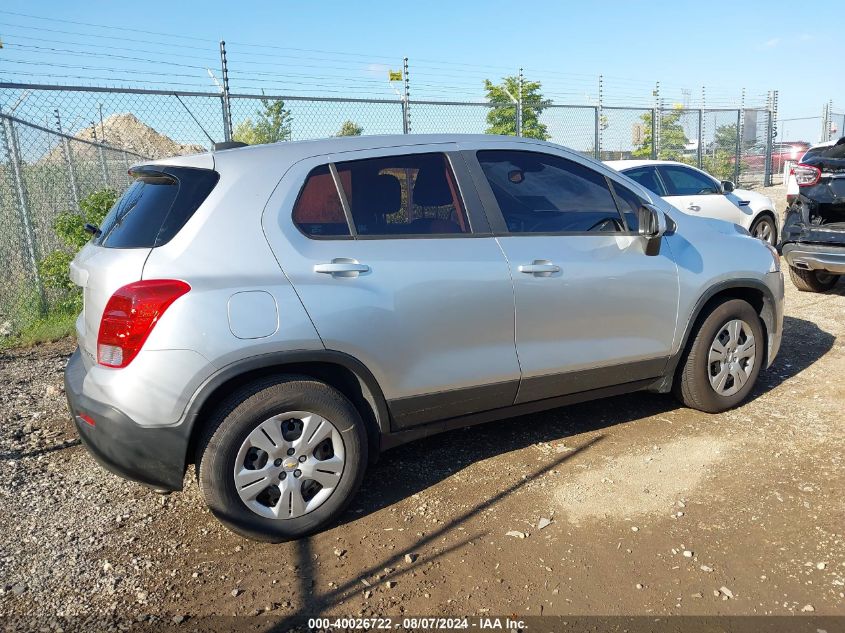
278	315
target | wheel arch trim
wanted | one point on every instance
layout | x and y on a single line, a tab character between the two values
766	312
292	362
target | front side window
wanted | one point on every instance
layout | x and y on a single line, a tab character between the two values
647	177
681	181
630	203
541	193
403	195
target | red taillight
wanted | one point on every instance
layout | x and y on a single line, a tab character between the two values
806	175
130	316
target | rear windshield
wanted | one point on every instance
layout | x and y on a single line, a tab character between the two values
836	151
156	206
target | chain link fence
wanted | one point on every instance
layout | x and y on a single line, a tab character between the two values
61	143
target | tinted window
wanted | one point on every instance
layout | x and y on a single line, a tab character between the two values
540	193
647	177
630	203
155	207
403	195
318	210
836	152
681	181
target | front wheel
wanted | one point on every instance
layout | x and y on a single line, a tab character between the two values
723	360
764	229
812	280
282	458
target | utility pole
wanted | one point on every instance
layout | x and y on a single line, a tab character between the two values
700	150
597	133
227	111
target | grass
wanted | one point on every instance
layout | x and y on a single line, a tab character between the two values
42	330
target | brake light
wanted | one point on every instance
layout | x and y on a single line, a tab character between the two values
130	315
806	175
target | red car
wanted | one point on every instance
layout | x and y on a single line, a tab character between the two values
782	151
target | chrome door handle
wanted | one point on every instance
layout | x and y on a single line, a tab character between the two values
342	267
539	268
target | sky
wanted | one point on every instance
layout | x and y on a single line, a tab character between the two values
699	52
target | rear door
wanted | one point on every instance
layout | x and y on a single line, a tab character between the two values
592	310
392	257
150	212
697	193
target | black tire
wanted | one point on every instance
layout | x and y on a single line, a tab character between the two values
238	416
812	280
692	384
757	226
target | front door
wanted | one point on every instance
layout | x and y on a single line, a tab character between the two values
592	309
392	258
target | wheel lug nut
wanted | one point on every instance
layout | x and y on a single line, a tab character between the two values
297	473
301	458
283	475
277	463
291	451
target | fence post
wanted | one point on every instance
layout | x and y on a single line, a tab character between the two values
66	150
770	106
519	106
597	131
700	150
102	156
406	100
10	145
227	111
738	151
655	123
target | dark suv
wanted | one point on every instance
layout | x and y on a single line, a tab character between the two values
813	235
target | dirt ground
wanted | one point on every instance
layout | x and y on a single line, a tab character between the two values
630	505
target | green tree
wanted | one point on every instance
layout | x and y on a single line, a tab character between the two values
502	119
673	139
272	124
350	128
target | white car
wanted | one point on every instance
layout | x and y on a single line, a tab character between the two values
696	192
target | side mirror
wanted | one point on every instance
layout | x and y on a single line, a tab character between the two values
728	186
652	226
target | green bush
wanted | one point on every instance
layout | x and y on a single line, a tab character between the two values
70	229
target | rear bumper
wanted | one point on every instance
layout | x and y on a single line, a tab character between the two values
822	257
151	456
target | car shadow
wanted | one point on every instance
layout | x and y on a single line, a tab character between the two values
421	464
804	342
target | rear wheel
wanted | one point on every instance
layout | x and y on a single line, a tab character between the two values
282	458
723	360
812	280
764	229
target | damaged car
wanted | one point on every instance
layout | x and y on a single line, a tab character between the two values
813	235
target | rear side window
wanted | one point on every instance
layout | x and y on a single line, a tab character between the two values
318	210
647	177
155	207
414	194
541	193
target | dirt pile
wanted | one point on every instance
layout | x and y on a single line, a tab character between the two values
125	131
